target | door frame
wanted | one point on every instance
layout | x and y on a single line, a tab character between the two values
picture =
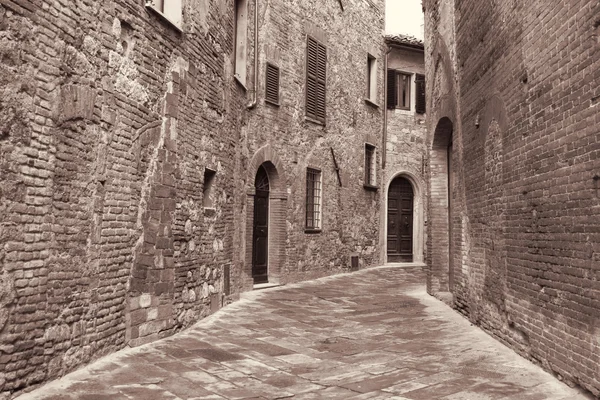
418	237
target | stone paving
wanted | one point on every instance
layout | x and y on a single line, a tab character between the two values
374	334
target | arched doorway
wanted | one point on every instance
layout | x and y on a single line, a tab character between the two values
400	221
442	185
260	231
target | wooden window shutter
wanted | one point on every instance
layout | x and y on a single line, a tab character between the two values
421	104
392	89
272	84
316	77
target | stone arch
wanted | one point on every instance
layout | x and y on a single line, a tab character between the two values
277	236
418	213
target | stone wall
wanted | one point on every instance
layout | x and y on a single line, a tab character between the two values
284	138
514	86
406	153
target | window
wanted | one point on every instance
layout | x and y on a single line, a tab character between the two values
370	166
420	106
399	90
168	9
241	39
272	84
313	199
207	191
316	67
371	78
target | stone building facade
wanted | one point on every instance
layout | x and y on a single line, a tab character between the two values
404	201
514	162
136	142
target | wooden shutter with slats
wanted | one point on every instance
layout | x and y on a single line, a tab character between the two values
272	84
392	89
316	78
420	86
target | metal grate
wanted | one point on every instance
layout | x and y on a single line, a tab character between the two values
370	165
313	198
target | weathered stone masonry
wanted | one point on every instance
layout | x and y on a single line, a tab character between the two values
514	149
109	118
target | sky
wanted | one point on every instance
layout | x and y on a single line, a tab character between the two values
404	16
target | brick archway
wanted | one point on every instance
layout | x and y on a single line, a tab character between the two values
440	249
277	237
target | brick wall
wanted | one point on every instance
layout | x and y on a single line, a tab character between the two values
109	117
518	82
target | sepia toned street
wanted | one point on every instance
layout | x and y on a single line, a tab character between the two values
373	334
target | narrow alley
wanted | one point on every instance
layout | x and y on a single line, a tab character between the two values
373	334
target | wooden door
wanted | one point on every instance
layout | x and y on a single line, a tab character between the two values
260	242
400	221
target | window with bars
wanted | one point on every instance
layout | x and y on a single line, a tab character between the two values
316	75
313	199
171	10
370	166
272	84
399	90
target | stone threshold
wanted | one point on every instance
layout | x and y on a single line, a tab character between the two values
267	285
403	265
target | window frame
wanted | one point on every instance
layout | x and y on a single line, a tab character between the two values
371	92
319	78
313	217
158	7
409	76
240	35
370	165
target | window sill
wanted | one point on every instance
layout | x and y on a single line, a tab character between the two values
155	10
372	188
371	103
312	231
314	121
239	82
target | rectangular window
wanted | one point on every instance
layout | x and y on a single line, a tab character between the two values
371	78
241	40
168	9
420	106
370	165
399	90
404	81
207	191
272	84
313	199
316	74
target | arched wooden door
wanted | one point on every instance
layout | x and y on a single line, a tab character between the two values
400	221
260	235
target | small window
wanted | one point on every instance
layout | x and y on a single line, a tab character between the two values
168	9
272	84
399	90
420	106
370	166
207	191
316	74
313	199
371	78
241	39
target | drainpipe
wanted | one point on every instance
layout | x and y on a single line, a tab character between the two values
385	112
252	104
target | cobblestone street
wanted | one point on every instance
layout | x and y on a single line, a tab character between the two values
374	334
